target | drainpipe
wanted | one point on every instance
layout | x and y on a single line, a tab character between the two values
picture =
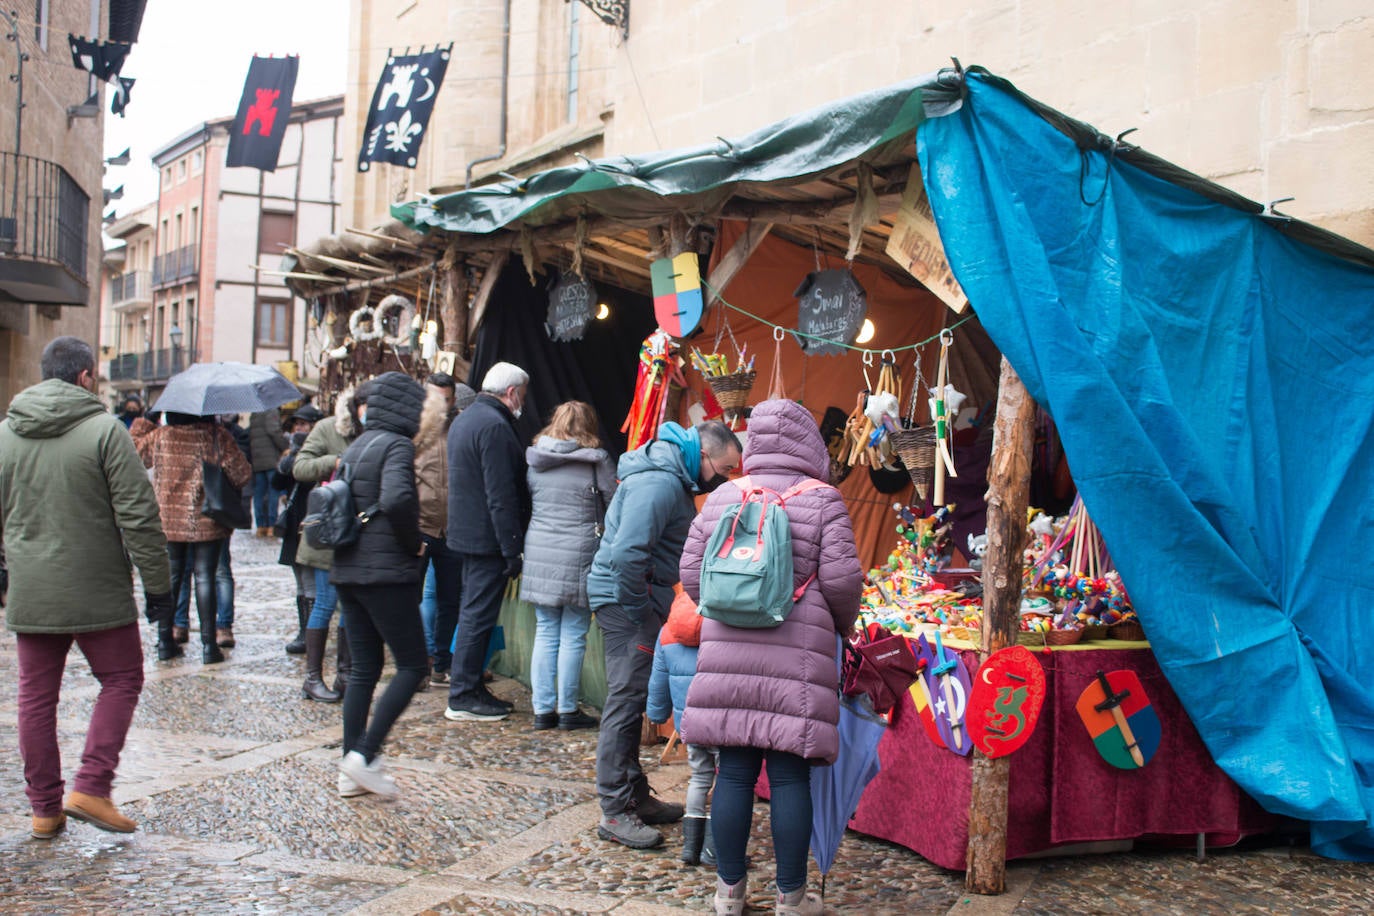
505	94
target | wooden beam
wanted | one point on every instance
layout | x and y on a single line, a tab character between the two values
738	255
356	285
453	308
354	266
1008	496
483	297
400	243
594	254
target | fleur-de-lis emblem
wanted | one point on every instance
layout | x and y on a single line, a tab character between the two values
401	132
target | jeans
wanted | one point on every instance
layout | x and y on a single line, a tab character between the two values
198	559
265	499
484	585
629	660
439	600
224	594
380	617
116	659
560	641
326	600
703	761
732	812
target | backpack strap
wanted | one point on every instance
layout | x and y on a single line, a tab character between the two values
346	472
804	487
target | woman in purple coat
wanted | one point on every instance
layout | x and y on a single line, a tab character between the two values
772	695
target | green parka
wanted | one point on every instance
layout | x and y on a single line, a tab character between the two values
75	506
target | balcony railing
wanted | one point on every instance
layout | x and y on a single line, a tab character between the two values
43	213
131	287
124	367
150	366
175	266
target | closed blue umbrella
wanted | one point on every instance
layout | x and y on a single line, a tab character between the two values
835	789
206	389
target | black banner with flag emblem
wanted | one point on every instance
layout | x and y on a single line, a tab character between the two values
255	137
401	107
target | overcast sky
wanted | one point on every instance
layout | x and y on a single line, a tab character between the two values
190	62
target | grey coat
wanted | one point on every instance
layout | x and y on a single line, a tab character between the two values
561	540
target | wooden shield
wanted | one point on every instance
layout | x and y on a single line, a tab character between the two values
1008	693
676	283
948	690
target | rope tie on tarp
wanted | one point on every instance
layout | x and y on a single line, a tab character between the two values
1111	147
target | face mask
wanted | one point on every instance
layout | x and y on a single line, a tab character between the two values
362	420
708	486
517	412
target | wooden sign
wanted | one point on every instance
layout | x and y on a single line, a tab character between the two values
915	244
1008	694
830	304
678	304
1120	719
571	302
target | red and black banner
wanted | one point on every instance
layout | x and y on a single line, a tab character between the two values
255	137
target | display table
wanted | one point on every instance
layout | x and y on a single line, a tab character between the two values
1061	790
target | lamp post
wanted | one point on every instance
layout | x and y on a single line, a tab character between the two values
175	335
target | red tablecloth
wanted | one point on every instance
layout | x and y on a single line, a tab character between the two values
1061	790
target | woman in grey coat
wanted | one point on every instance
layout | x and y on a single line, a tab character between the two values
571	478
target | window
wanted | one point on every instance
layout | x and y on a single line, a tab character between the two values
193	227
276	231
274	323
40	23
167	177
190	329
181	170
197	161
574	55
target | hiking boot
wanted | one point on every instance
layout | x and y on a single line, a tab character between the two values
224	637
348	788
45	828
627	829
730	898
799	903
475	708
181	635
545	720
653	811
571	721
98	812
370	776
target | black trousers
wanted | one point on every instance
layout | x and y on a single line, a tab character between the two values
197	560
380	617
484	585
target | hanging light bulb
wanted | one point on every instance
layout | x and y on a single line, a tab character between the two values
866	332
603	311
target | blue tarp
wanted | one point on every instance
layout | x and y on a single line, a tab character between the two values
1213	382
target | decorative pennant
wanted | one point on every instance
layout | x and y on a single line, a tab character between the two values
947	682
570	307
678	303
831	304
119	97
401	106
1120	719
264	108
102	59
1004	707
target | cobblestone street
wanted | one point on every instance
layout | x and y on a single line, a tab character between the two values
231	777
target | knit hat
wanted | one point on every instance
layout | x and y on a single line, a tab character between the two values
463	396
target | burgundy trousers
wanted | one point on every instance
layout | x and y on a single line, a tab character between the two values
116	660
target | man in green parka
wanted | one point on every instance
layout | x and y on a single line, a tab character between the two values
74	496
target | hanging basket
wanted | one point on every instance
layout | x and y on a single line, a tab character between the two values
732	391
672	401
916	448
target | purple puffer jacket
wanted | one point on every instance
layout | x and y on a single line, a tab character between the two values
777	689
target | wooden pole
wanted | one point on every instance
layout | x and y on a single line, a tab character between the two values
453	279
1008	496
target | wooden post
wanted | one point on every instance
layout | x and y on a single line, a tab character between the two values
453	277
1008	496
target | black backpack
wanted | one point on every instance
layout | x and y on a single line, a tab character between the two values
331	521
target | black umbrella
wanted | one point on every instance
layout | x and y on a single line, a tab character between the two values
206	389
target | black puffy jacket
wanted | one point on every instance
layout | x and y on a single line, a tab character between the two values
488	496
383	468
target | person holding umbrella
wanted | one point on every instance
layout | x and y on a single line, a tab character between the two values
771	696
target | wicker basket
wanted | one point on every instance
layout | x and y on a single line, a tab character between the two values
732	391
916	448
1063	637
1094	631
1030	638
672	402
1130	630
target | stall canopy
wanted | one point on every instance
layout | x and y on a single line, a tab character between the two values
1211	371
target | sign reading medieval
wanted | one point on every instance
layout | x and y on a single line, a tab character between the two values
401	106
570	308
831	305
915	244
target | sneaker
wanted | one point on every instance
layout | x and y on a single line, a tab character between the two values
438	678
545	720
493	699
627	829
571	721
730	898
372	777
348	788
799	903
653	811
423	686
475	709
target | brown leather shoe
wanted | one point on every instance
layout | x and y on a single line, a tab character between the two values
225	637
98	812
181	635
45	828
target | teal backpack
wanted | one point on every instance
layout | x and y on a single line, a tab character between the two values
746	572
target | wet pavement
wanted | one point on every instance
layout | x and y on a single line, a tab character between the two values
231	777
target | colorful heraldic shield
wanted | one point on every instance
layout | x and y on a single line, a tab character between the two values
678	304
1120	719
1008	695
947	688
401	106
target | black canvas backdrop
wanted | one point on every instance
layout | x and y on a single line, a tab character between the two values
599	369
248	145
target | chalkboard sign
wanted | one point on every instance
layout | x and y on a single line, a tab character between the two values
570	308
831	304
